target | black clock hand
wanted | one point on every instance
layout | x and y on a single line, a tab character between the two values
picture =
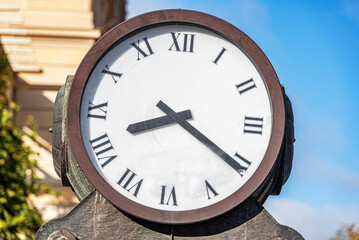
202	138
156	122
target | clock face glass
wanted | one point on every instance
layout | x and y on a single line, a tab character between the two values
176	117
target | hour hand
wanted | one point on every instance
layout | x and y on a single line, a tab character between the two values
156	122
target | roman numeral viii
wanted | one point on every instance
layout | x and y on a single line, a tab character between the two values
100	146
97	111
144	53
186	38
253	125
126	179
172	196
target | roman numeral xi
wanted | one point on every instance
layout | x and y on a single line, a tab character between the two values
125	182
144	53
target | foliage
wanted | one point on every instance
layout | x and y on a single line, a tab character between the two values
347	233
18	179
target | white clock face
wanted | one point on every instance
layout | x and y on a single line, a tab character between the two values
176	118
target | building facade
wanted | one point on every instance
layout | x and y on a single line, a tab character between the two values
45	40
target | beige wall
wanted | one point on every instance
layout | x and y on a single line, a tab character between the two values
45	40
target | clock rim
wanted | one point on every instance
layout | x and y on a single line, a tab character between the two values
132	26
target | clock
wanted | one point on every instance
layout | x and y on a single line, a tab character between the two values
175	116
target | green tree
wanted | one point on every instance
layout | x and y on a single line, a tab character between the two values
18	179
347	232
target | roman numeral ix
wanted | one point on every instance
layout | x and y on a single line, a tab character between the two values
140	50
186	37
171	196
101	145
100	110
131	175
115	76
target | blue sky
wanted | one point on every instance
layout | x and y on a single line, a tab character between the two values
314	47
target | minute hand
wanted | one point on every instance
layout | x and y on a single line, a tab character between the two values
202	138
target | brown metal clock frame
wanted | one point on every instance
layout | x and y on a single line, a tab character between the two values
131	27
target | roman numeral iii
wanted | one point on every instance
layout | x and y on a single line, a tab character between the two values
144	53
97	111
126	184
172	196
253	125
115	76
187	42
101	145
245	86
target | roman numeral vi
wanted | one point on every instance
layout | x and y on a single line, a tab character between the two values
171	196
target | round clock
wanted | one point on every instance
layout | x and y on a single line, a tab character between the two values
175	116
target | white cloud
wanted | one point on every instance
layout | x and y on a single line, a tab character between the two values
312	223
320	169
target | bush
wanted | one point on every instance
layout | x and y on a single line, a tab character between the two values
18	179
